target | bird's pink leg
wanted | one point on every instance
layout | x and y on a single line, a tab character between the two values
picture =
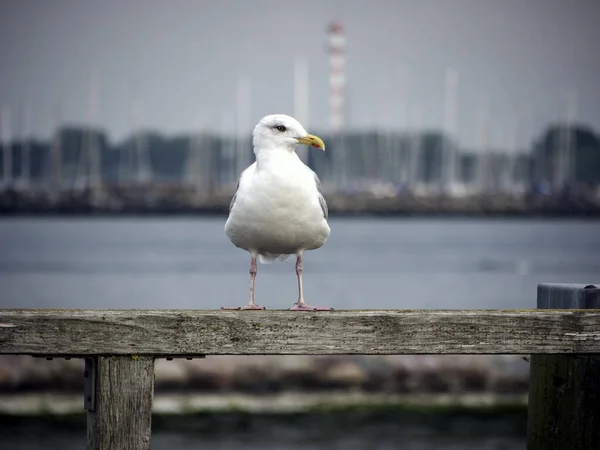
251	305
301	304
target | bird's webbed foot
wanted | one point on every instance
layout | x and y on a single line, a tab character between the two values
301	306
243	308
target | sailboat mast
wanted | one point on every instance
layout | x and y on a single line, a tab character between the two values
448	153
93	150
242	123
482	157
301	98
7	162
25	147
570	144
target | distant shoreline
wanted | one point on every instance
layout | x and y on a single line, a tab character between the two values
338	207
591	214
179	201
158	215
39	404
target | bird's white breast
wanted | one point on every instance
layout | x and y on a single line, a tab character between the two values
277	208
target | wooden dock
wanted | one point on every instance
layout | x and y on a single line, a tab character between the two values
120	346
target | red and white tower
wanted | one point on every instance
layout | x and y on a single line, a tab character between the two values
337	76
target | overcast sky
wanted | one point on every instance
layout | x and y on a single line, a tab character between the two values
182	59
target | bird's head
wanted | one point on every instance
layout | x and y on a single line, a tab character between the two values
281	131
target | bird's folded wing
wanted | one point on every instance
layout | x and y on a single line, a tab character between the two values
322	201
234	195
246	171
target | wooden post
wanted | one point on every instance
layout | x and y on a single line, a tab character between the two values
564	392
122	410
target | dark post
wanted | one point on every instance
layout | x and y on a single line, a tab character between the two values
120	416
564	392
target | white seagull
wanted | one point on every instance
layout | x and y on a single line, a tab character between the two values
278	209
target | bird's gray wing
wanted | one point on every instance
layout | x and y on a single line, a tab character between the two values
234	195
247	171
322	201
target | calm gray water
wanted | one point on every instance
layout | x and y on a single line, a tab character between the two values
367	263
349	431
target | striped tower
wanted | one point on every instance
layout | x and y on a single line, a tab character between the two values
337	77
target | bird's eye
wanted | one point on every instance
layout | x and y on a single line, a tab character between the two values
280	128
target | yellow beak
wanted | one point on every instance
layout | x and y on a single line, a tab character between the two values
313	141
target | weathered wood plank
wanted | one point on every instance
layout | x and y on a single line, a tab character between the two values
564	395
123	410
198	332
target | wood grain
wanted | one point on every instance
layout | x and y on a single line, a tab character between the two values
201	332
123	410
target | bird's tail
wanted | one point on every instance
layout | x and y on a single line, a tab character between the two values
268	258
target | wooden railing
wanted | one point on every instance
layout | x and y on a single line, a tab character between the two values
120	346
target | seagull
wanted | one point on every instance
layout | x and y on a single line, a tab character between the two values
278	209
